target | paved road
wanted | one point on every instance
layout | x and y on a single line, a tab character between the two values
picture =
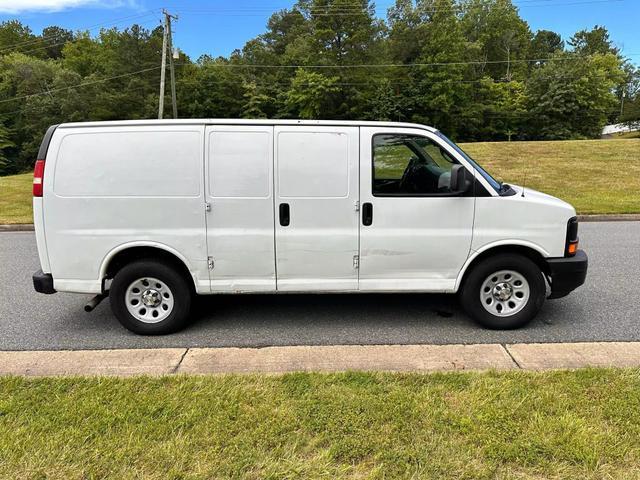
607	308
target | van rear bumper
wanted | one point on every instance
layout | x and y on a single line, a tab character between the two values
43	282
567	274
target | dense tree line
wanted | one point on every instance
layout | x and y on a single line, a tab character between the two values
472	68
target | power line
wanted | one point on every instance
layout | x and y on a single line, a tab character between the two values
42	47
356	10
78	85
149	91
89	28
396	65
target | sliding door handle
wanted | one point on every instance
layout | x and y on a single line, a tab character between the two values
285	217
367	214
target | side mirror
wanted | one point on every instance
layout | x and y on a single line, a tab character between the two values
461	180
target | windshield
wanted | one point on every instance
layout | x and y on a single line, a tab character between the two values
497	186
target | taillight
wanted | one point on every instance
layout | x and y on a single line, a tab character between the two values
571	246
38	178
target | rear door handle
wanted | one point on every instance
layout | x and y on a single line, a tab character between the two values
285	216
367	214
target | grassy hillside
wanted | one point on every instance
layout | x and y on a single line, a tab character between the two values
15	198
581	424
596	176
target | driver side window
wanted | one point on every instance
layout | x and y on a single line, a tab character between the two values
410	165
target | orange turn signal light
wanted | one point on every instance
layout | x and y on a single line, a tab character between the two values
572	248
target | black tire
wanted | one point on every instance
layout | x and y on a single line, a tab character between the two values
177	284
471	290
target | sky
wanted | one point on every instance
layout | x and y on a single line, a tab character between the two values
217	27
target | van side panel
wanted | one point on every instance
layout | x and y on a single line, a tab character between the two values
239	184
106	187
316	185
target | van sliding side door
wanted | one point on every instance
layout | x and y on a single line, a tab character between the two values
316	190
240	220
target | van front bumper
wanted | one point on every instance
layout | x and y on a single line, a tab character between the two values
566	274
43	282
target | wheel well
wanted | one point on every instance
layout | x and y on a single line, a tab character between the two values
124	257
530	253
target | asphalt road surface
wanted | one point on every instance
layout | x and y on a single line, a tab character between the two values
606	308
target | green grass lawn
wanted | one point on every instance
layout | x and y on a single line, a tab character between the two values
596	176
582	424
15	199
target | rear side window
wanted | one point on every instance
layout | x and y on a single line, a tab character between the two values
135	163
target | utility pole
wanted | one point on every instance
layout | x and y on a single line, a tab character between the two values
174	103
166	39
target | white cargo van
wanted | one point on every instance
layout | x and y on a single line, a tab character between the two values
152	212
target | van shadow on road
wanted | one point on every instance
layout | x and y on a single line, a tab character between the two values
325	319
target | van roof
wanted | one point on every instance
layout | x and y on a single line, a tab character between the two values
233	121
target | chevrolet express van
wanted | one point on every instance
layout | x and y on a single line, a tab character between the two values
152	212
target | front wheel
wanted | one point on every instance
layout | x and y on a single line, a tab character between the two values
504	292
150	298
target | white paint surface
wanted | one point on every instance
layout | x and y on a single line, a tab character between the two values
109	186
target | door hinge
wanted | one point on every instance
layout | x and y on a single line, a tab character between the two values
356	261
357	205
210	263
207	207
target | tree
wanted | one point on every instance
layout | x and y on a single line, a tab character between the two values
503	35
545	43
211	88
54	39
572	96
83	56
5	143
310	94
255	102
590	42
630	96
16	37
338	39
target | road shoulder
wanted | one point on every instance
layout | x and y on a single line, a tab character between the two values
394	358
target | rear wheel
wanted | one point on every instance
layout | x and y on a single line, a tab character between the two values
150	298
504	292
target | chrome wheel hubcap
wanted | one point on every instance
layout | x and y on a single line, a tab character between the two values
149	300
504	293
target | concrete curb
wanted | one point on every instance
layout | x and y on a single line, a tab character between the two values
394	358
19	227
627	217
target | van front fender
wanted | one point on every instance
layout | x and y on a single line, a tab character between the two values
498	246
